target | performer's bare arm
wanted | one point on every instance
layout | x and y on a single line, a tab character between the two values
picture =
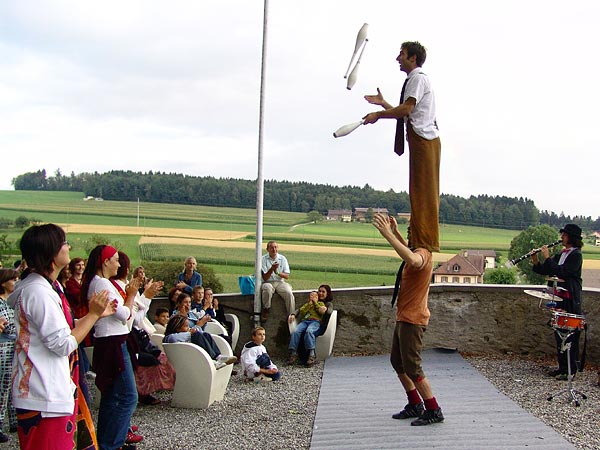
382	223
393	113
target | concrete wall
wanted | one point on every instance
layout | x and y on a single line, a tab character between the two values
471	318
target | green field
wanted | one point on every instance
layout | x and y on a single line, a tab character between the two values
308	268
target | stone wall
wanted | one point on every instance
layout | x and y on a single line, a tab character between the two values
470	318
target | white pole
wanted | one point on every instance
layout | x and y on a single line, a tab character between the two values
138	212
260	182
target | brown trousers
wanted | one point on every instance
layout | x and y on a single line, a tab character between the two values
424	191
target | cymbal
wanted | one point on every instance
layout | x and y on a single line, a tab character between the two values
543	295
555	278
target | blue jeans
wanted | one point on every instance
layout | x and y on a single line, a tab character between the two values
116	407
309	328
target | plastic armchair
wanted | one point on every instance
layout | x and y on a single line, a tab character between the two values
198	383
324	343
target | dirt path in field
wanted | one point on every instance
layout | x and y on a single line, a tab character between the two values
226	239
175	232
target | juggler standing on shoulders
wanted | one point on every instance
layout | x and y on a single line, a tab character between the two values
416	110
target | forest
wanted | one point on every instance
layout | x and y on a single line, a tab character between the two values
481	210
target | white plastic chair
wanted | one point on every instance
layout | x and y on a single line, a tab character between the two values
198	383
324	343
157	339
235	333
214	327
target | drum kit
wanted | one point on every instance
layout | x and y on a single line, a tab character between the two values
564	325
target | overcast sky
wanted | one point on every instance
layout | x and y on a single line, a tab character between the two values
174	86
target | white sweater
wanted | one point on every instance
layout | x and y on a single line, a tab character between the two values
116	324
250	352
42	379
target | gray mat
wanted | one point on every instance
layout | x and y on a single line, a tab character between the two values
359	395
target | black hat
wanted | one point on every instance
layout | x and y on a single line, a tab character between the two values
572	230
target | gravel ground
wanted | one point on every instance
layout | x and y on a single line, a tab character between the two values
526	382
279	415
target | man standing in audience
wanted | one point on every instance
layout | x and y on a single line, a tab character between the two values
275	271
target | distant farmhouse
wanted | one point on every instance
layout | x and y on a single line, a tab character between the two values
360	214
343	215
465	267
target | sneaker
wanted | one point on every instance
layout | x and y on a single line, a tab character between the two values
262	379
292	359
3	437
133	428
219	364
563	377
265	314
227	359
410	411
148	400
555	372
428	417
133	438
311	361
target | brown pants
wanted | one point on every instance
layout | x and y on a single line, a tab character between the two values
424	191
407	345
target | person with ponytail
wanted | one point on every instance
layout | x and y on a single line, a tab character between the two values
112	360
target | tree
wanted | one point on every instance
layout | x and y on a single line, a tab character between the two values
501	275
22	222
524	242
314	216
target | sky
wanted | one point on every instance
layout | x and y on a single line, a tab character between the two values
174	86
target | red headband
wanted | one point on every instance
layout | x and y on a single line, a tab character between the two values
107	253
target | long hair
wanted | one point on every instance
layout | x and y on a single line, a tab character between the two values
6	275
175	323
89	273
124	265
329	297
39	246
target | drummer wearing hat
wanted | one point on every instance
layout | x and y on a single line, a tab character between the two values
566	266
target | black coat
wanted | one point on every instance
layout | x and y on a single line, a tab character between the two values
570	271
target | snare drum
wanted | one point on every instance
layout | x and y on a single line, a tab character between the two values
566	321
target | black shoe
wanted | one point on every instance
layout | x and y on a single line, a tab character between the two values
556	372
410	411
13	429
563	377
3	437
428	417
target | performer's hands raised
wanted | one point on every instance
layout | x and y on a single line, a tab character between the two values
376	99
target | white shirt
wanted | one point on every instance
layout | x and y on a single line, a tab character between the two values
422	117
267	262
116	324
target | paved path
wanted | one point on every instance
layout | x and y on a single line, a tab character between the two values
359	394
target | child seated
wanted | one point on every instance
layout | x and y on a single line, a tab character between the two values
178	330
256	364
161	318
309	316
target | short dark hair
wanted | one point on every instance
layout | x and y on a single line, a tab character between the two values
160	311
39	246
414	48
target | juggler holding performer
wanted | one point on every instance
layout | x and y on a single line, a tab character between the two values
417	110
412	318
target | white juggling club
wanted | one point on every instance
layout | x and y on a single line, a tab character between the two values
360	38
354	74
347	129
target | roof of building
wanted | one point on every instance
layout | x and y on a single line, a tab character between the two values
462	264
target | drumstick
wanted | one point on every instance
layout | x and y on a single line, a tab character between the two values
347	129
360	38
354	73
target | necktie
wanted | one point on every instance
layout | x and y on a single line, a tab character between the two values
399	139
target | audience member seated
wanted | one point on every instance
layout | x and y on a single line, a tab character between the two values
219	312
325	296
172	296
178	330
256	363
309	316
161	318
189	277
196	318
197	299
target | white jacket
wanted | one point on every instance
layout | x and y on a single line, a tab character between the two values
41	375
250	352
